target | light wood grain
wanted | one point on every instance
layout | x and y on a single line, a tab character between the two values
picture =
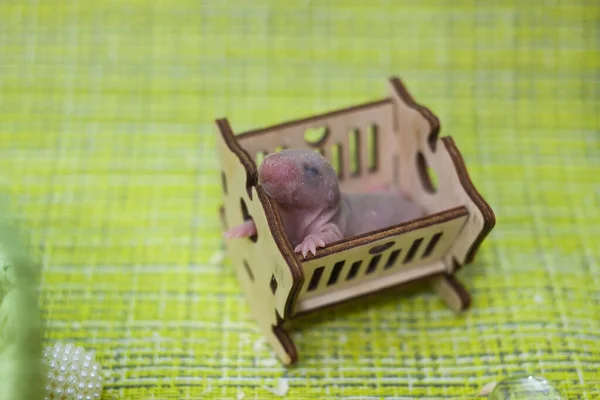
339	124
414	134
264	257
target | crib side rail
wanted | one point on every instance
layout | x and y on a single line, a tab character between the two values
359	142
373	262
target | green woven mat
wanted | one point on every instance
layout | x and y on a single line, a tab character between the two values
106	145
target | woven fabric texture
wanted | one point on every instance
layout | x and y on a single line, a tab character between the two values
107	150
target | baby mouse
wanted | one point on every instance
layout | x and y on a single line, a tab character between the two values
313	210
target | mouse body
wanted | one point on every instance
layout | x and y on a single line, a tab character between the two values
314	211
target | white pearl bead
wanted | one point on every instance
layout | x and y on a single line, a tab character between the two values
73	373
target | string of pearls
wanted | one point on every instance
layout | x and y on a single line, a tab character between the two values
73	373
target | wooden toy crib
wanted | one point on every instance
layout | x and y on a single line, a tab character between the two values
390	141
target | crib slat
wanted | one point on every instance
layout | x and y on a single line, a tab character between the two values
431	245
392	259
373	264
335	272
354	152
354	270
316	278
372	148
337	159
413	250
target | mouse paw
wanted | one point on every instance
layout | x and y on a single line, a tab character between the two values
246	229
310	244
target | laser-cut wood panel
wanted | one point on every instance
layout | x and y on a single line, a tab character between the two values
264	265
400	252
421	153
358	141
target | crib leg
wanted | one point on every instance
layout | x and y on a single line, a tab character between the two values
451	291
289	355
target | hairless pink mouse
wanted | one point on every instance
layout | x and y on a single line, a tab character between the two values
313	210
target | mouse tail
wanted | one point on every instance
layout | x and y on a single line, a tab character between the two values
247	229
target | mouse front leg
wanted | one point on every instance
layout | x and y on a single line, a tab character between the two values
327	233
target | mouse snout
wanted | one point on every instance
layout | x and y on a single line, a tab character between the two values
277	170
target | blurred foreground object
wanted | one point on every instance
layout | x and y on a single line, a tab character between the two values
521	387
21	331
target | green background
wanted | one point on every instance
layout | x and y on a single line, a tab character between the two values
107	147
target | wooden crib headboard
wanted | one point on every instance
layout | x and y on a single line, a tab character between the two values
359	142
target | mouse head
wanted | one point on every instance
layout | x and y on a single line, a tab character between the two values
299	178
